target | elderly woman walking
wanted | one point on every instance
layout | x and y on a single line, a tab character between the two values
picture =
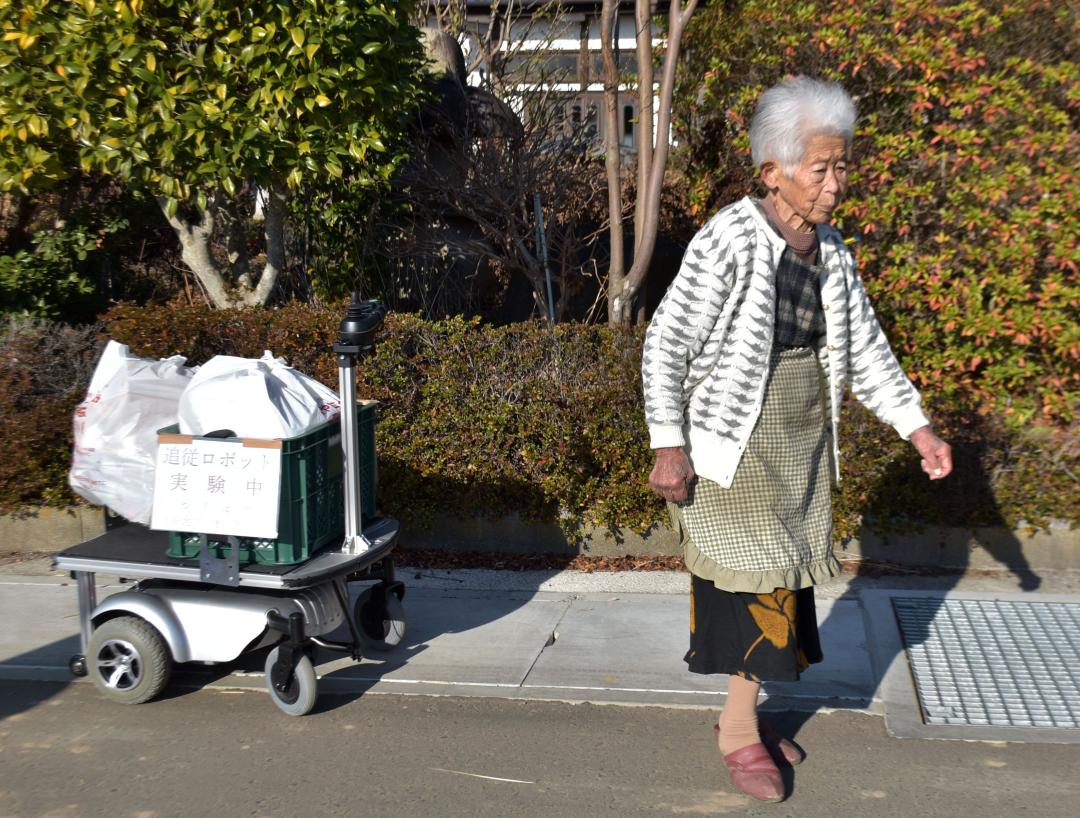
744	367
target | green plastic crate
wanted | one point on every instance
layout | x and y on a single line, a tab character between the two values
311	506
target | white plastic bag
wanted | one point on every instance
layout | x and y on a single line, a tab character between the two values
252	397
116	428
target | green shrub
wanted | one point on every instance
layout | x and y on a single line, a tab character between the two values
53	277
966	175
44	371
189	97
478	420
474	419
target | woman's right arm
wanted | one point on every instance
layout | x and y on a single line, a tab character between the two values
678	331
676	335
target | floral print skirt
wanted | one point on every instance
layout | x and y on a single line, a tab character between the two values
769	637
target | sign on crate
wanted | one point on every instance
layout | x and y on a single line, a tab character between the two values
217	486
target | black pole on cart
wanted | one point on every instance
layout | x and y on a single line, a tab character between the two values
356	338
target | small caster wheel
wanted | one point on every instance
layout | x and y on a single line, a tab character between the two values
380	617
77	665
298	697
128	660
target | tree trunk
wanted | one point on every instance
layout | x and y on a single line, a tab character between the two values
274	232
583	60
609	24
235	239
222	288
195	251
648	200
643	33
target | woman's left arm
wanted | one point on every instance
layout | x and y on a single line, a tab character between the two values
879	383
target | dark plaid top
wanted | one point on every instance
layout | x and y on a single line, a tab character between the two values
799	317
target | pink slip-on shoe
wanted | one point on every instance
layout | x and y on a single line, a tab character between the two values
783	751
780	747
754	772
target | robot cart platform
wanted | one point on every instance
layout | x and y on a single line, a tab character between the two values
213	610
136	552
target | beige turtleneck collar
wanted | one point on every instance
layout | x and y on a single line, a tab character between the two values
804	244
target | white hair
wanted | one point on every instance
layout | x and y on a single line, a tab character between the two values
792	112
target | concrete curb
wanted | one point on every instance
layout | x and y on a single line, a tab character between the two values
986	548
953	548
49	529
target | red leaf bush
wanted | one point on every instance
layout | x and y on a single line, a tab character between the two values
962	206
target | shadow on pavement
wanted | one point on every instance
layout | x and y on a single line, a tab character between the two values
18	697
460	629
880	557
452	637
39	676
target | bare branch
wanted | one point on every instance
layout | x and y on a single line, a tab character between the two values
469	227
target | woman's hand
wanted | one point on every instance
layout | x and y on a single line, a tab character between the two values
672	474
936	453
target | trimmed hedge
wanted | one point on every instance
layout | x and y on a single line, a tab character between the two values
544	423
45	369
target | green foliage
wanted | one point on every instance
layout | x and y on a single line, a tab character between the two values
186	98
967	174
1001	476
478	420
513	419
52	278
337	220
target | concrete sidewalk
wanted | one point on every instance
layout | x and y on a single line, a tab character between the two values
563	636
539	635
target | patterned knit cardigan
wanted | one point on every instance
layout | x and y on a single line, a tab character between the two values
707	348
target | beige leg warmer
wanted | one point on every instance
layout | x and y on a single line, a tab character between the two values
738	721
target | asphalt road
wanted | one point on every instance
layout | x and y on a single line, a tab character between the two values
65	753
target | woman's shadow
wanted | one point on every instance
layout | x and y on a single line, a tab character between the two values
924	559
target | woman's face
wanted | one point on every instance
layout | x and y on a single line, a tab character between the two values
816	187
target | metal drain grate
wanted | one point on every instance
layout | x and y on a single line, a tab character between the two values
994	662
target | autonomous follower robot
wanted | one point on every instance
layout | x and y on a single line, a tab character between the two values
213	610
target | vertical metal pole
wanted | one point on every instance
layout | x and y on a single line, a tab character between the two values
541	242
350	449
87	603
